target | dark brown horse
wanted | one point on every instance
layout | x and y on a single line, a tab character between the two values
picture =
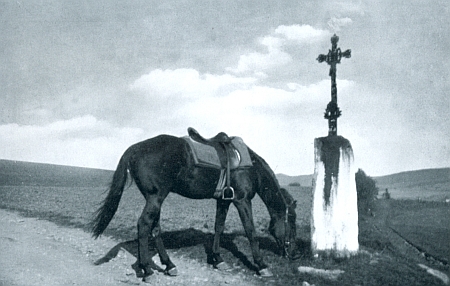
165	164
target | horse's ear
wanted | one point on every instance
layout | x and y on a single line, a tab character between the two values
294	204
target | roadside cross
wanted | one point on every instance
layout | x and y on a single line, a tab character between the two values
334	211
333	58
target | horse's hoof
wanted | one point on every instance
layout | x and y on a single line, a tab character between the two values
146	279
139	271
223	266
265	272
171	272
295	256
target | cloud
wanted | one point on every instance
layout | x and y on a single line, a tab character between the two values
290	118
186	83
303	34
259	63
187	93
337	23
239	105
82	141
342	12
348	7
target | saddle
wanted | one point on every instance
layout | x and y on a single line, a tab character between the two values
229	159
221	137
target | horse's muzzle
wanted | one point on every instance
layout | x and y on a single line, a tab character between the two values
291	251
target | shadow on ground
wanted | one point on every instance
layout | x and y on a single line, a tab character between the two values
192	237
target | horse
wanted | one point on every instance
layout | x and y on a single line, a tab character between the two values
165	164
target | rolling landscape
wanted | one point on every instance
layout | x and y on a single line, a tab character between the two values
417	216
427	184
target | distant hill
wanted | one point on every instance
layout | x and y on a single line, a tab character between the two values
427	184
415	178
304	180
14	173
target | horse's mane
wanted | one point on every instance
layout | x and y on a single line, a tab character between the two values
271	197
271	192
262	163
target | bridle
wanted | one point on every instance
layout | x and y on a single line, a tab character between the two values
286	242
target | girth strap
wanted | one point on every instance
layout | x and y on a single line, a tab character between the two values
228	191
233	147
224	190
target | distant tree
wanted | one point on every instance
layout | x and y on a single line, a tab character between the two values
295	184
367	191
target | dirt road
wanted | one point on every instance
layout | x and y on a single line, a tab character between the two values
38	252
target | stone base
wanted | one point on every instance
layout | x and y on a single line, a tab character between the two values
334	217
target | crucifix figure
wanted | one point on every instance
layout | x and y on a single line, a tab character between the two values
332	58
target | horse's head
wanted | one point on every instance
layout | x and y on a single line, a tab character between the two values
280	205
283	228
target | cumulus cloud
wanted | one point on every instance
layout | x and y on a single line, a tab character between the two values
258	63
336	24
304	34
168	95
217	96
238	105
186	83
342	12
348	7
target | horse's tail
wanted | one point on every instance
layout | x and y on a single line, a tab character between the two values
104	215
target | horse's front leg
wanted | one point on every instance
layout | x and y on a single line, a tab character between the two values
219	227
244	207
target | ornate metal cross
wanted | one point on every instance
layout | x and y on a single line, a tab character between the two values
332	58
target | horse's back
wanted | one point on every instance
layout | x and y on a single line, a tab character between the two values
160	151
158	144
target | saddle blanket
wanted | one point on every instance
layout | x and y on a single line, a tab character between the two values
206	156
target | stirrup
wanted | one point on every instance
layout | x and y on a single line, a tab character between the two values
228	197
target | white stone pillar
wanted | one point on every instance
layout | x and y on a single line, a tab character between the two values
334	215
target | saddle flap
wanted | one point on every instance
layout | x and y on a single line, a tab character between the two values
206	155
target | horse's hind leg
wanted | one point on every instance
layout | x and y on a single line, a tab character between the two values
146	223
164	257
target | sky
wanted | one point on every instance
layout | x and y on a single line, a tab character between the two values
81	81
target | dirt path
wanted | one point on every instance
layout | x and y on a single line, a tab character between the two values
38	252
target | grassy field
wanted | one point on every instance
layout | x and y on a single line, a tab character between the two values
189	233
424	224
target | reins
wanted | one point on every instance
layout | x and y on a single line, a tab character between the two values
286	242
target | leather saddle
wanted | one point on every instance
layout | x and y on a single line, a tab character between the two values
223	146
228	156
221	137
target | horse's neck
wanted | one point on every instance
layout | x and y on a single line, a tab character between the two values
273	200
269	189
